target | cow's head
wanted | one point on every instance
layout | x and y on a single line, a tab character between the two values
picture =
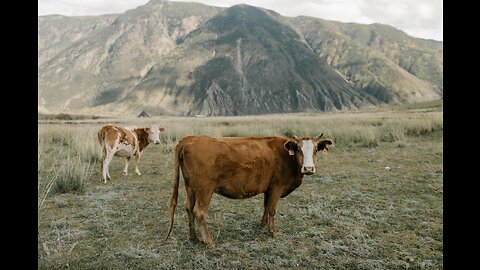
154	133
305	149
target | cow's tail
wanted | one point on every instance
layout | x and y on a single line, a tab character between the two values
101	136
174	196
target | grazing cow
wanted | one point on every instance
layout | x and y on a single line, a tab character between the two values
125	142
240	168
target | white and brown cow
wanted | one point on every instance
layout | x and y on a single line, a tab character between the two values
125	142
240	168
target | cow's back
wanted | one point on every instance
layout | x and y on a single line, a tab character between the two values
109	135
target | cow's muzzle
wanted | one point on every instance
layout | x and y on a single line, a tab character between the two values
308	170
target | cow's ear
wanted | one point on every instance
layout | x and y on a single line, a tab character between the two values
146	129
322	145
296	138
161	129
291	147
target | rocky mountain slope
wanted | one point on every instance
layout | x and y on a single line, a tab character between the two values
172	58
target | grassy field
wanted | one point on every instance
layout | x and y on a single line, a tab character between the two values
376	201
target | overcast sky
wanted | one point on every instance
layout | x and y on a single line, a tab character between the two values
418	18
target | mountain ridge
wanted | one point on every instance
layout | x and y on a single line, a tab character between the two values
176	58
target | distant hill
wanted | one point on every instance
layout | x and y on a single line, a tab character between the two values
177	58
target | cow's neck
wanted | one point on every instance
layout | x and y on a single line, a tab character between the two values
298	176
142	137
296	168
297	173
295	178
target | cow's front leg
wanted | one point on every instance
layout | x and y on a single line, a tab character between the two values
137	162
271	209
127	162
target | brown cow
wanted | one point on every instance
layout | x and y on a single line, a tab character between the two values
125	142
240	168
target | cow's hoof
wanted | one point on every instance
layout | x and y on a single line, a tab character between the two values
211	244
125	173
194	239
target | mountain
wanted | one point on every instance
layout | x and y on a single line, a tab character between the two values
378	59
172	58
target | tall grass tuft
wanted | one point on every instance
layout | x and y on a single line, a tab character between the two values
366	136
72	175
80	140
66	158
45	184
84	143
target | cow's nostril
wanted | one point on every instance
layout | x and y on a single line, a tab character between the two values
308	170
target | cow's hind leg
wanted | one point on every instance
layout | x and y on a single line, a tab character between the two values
265	211
104	176
105	163
127	162
137	163
189	205
201	212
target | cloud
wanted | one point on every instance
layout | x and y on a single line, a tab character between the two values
86	7
419	18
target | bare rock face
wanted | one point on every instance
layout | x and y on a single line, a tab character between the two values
186	59
216	102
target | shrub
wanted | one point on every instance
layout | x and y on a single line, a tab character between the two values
64	116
